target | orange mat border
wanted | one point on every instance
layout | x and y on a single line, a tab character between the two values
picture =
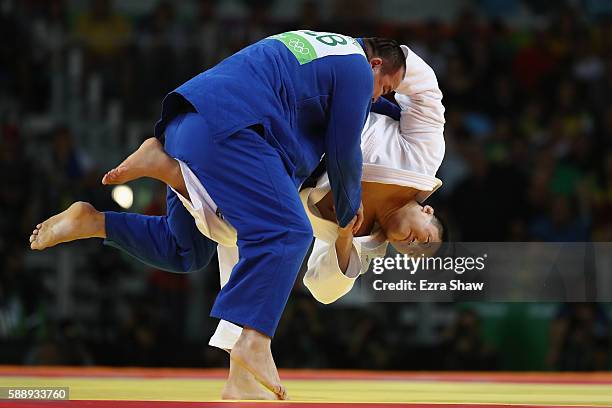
219	373
277	404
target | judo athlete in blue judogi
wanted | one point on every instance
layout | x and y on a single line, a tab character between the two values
252	129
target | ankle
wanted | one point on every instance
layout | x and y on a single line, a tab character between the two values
99	222
175	178
253	337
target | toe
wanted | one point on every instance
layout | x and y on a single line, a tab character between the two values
117	172
281	392
110	177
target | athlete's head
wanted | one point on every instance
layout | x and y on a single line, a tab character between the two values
388	64
413	224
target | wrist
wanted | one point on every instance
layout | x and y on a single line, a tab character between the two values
345	236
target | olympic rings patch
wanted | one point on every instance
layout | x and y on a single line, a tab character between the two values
299	46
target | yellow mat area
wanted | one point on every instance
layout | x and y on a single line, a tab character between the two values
187	389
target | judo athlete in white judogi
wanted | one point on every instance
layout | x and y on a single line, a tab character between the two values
250	130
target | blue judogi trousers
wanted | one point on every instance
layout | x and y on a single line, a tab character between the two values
247	179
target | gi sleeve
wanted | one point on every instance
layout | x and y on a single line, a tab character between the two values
387	108
324	278
350	104
422	115
419	96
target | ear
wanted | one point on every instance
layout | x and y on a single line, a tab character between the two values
428	210
376	62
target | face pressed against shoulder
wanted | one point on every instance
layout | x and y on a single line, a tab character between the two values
384	83
392	81
387	60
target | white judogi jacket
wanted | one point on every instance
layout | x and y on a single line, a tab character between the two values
406	153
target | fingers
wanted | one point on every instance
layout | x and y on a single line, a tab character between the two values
350	225
357	224
358	220
348	229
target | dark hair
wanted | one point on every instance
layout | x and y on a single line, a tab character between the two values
440	225
388	50
445	249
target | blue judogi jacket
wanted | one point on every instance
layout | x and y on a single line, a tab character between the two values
306	109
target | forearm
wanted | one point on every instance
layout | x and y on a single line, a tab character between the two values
344	247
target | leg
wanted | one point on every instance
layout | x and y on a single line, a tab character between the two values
247	179
172	242
240	384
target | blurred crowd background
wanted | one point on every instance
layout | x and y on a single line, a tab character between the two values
526	85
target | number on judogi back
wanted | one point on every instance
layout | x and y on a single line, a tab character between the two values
308	45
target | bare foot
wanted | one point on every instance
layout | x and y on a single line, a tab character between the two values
241	385
150	160
81	220
252	351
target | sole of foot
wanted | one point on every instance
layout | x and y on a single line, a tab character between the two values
74	223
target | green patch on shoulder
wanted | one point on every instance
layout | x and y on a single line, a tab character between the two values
298	45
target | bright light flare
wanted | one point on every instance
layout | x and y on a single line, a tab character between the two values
124	196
